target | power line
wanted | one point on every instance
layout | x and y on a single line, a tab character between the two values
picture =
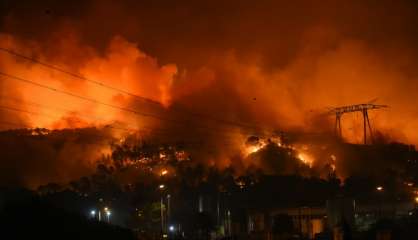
49	116
6	123
102	103
23	111
132	128
176	141
82	97
168	132
101	84
165	132
66	110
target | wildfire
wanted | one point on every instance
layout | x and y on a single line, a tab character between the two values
333	160
252	149
261	143
113	82
305	158
301	152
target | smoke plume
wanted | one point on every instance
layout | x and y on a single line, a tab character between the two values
271	64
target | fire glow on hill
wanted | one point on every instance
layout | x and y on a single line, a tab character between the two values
207	79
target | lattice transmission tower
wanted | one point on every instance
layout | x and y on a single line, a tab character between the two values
363	108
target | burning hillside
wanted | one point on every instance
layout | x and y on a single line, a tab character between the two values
205	80
61	156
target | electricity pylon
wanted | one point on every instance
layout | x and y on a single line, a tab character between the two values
364	107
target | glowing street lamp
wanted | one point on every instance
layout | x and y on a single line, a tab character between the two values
108	213
162	187
93	213
380	189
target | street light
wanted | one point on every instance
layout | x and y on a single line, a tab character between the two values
380	189
161	187
93	213
108	213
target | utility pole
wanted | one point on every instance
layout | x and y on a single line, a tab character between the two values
168	210
162	215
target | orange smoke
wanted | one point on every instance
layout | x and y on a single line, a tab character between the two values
123	65
329	69
277	66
